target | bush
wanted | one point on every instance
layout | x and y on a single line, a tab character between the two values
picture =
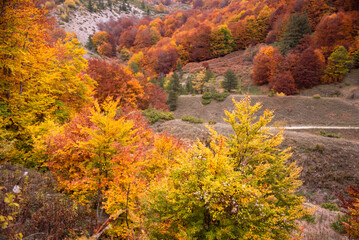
330	206
309	218
206	97
206	101
316	96
70	4
153	115
338	225
331	135
191	119
125	54
50	4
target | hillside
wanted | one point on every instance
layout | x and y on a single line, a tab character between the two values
290	110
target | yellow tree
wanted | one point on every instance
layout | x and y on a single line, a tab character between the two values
38	80
240	187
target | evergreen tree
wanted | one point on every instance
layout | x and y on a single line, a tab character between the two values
230	81
172	100
298	25
189	88
209	75
143	6
174	84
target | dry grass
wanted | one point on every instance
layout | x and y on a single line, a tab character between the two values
321	228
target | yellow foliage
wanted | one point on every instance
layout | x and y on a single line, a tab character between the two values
70	3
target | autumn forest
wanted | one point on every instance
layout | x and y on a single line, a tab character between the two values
80	157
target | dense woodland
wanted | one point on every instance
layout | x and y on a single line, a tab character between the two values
94	167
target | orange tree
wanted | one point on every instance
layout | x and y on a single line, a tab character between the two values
107	161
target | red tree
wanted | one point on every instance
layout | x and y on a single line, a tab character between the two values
307	70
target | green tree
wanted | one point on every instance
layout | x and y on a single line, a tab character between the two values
230	81
174	84
297	26
237	188
172	100
222	41
338	65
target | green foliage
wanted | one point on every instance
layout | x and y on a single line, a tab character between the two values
338	225
356	59
172	100
174	84
338	65
153	115
297	26
236	188
208	96
316	96
331	135
230	81
191	119
309	218
330	206
135	67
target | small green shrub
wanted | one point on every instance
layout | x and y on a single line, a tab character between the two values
206	101
330	206
208	96
309	218
338	225
153	115
220	96
191	119
316	96
331	135
212	122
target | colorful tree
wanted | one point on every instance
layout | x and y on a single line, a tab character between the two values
115	82
283	82
308	69
107	161
350	205
236	188
200	43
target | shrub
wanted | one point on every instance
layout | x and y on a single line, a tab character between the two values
207	97
206	101
330	206
331	135
338	225
50	4
309	218
316	96
70	3
191	119
153	115
125	54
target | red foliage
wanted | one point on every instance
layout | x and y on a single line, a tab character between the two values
283	82
308	70
200	43
127	38
261	69
337	29
350	205
114	81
